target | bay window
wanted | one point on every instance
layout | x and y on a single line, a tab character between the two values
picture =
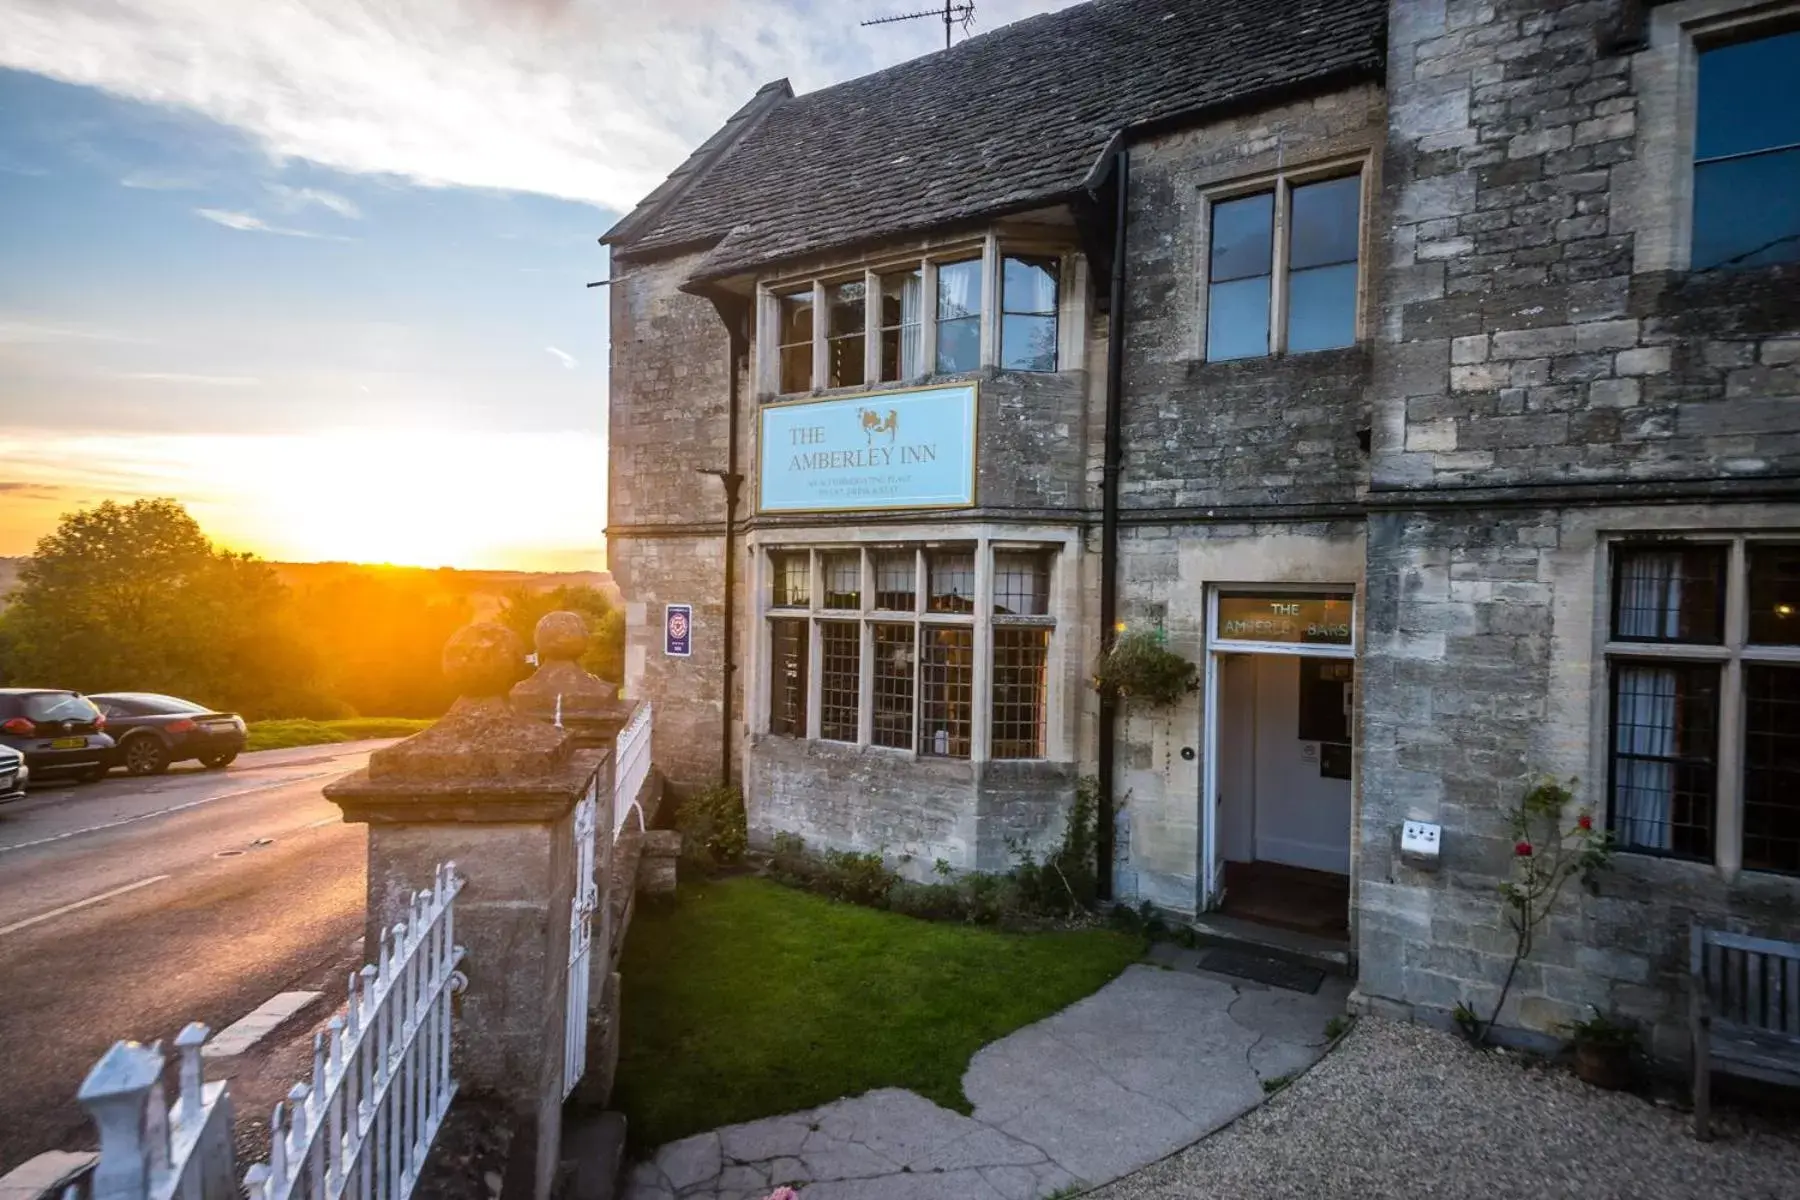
986	306
870	657
1704	672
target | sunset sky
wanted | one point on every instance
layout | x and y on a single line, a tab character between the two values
316	267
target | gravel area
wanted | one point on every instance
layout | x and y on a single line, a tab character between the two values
1404	1110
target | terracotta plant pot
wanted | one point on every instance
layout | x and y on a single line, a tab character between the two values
1606	1066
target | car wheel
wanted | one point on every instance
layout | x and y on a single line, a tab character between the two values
146	755
217	762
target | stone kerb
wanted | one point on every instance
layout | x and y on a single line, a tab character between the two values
495	791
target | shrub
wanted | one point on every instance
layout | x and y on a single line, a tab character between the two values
1140	667
713	829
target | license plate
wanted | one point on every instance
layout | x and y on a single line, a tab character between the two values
68	743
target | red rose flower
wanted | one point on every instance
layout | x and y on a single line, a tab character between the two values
1584	821
1523	849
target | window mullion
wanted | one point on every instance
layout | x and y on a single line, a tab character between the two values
928	312
1728	851
871	328
821	333
1278	298
990	302
865	689
982	694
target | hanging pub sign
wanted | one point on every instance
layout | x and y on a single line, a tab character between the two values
1288	620
678	630
902	449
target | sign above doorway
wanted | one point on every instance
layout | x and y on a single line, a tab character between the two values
1287	619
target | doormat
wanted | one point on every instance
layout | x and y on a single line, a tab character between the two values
1262	969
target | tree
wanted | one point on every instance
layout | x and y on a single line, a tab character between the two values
134	597
523	607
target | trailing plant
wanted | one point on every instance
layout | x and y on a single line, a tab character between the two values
713	829
1139	667
1547	854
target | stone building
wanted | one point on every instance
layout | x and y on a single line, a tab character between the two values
1427	372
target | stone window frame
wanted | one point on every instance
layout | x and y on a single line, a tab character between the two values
1283	180
1059	621
1730	654
1654	194
992	247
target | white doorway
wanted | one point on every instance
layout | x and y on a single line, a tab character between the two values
1277	787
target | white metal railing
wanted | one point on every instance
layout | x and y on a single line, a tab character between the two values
631	766
381	1085
148	1149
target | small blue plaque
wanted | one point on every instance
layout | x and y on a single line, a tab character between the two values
678	630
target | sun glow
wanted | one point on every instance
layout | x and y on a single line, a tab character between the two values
415	498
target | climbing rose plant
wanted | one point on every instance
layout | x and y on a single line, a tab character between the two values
1549	849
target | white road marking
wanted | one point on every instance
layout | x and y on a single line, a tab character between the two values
174	808
241	1035
69	908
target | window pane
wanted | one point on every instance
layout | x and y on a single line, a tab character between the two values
791	579
1021	583
896	580
1669	595
902	297
1771	768
947	683
1020	691
1775	595
1325	230
843	579
1028	285
952	581
959	289
848	317
840	656
959	345
894	651
1747	211
796	368
1243	237
1749	96
1237	319
787	677
1322	308
1027	343
796	317
1665	743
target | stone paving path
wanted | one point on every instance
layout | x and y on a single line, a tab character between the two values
1156	1059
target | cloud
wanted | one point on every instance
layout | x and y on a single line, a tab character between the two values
563	357
592	100
293	199
186	380
248	223
158	181
14	331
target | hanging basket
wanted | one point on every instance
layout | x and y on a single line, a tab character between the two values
1141	669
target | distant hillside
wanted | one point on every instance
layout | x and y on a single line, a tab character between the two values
483	588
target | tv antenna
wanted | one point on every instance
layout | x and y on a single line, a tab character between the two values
952	14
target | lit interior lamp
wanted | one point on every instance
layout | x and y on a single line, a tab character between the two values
1784	610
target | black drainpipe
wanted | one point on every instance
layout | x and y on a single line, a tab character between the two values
1109	513
734	311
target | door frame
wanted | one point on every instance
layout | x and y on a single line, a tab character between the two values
1212	883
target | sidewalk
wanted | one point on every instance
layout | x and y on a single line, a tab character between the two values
1151	1062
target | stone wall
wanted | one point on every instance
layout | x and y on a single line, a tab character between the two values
912	811
1483	667
1522	344
1164	572
1261	431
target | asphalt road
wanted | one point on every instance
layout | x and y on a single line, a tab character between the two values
133	906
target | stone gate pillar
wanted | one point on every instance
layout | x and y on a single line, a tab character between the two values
495	792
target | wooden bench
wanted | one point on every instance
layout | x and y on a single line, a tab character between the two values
1744	1009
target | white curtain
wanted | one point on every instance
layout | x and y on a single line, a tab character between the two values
1650	596
959	290
1644	792
912	335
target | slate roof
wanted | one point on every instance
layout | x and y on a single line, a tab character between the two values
1002	122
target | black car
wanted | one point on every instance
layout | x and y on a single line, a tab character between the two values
59	732
154	730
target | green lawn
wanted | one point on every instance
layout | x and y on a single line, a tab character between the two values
279	735
746	999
